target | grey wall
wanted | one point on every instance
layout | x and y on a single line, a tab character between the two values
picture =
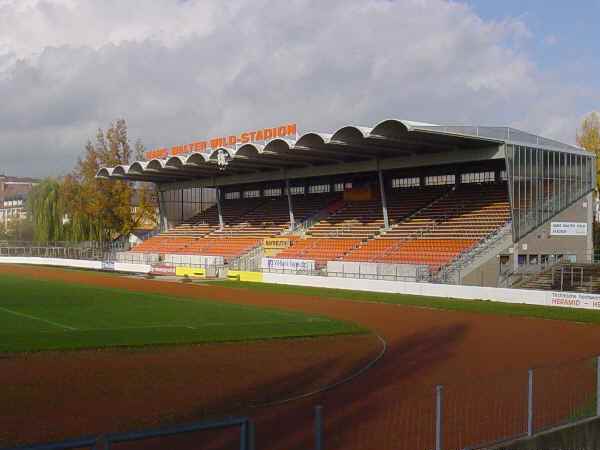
540	242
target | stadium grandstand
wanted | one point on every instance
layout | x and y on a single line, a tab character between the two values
406	200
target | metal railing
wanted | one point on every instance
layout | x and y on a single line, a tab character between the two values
422	275
106	441
451	273
89	253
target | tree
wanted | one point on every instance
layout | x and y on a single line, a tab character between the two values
101	209
3	232
46	210
588	137
81	207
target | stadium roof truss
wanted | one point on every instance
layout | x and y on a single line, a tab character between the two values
390	144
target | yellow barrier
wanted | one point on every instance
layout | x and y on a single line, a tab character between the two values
241	275
192	272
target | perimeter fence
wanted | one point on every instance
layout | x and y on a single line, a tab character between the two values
233	430
482	412
474	413
93	253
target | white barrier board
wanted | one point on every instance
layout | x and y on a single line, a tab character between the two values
77	263
527	296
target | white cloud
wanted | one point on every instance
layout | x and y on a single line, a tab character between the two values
179	70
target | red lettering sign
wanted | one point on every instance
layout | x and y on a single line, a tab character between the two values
265	134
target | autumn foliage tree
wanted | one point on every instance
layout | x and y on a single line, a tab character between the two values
95	209
588	137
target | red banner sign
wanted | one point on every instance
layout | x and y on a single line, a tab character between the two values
163	269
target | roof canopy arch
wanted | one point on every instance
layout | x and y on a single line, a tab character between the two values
121	170
350	146
350	134
389	129
155	165
138	167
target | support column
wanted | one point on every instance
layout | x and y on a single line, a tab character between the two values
290	205
162	212
219	212
498	176
182	216
386	221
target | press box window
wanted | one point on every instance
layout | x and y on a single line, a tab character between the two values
318	188
439	180
405	182
275	192
232	195
296	190
252	194
477	177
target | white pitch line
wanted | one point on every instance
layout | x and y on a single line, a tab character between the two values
56	324
141	327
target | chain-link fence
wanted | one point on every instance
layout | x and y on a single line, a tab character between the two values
53	251
478	413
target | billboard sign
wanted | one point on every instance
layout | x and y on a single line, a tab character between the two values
163	269
108	265
296	265
568	229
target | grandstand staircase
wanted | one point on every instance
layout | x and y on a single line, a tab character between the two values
250	261
570	277
541	281
301	227
481	253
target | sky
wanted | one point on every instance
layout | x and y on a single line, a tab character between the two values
186	70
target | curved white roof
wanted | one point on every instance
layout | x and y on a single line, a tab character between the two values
386	139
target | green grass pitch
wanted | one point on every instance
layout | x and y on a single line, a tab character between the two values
50	315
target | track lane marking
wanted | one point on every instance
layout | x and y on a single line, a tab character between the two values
27	316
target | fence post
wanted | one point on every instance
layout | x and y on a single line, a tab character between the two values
561	278
244	435
319	428
438	416
530	404
102	443
598	386
251	435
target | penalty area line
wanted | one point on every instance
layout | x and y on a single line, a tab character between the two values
28	316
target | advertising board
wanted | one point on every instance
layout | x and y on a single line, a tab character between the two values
568	229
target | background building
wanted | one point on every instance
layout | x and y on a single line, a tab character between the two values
13	195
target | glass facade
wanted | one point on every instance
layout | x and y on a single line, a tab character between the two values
180	204
544	182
